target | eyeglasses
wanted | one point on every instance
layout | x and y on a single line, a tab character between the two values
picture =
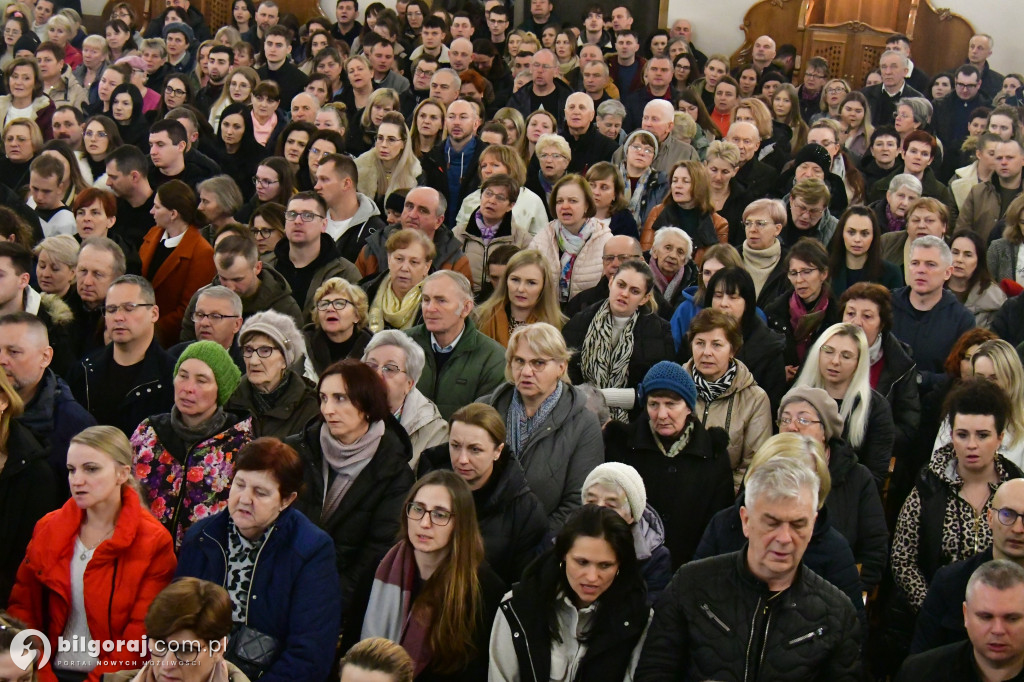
337	304
425	72
805	273
815	76
388	140
618	257
307	216
390	370
95	133
127	307
967	86
641	150
802	209
264	182
491	194
177	92
836	91
759	224
1008	516
544	67
184	652
212	317
262	351
550	156
438	517
316	153
262	232
802	421
537	364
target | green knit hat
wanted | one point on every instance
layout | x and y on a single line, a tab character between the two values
217	359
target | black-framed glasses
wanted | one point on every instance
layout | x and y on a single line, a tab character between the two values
262	232
262	351
177	92
264	182
127	307
184	652
337	304
213	317
1008	516
390	369
438	517
307	216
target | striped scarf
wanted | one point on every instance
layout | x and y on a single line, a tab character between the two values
392	613
710	391
604	362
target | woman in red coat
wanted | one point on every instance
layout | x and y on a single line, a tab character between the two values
94	565
175	257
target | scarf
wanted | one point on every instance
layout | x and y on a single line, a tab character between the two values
603	362
875	351
805	322
569	246
893	223
519	427
392	612
667	287
565	67
635	196
265	402
681	441
487	232
190	435
346	462
761	263
710	391
390	312
241	558
262	131
500	324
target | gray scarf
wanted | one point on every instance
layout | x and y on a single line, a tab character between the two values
190	435
346	462
519	427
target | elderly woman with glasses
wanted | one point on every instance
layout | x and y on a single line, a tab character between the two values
339	326
399	361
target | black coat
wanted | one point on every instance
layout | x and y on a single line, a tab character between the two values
778	319
777	282
652	343
756	179
1008	321
882	106
950	663
876	449
435	173
715	620
365	524
855	510
760	352
941	619
599	292
687	490
898	383
590	148
318	346
511	518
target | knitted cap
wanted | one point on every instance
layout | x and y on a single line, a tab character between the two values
814	153
180	28
395	202
670	376
217	359
624	476
646	136
823	404
280	329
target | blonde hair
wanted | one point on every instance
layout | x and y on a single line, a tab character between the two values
355	295
14	409
797	447
1009	376
112	441
547	308
726	151
62	247
544	340
762	115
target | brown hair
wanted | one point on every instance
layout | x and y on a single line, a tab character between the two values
972	337
275	457
877	294
366	389
190	604
177	196
711	319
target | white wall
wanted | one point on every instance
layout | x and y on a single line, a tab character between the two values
716	25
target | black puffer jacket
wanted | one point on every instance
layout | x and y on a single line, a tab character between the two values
875	449
716	621
855	510
511	518
898	383
652	343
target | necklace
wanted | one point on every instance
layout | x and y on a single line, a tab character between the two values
88	550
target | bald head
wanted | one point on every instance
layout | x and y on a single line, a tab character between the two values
618	249
25	352
763	51
460	54
1006	519
579	112
304	108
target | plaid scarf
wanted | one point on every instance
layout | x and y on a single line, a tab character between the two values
392	613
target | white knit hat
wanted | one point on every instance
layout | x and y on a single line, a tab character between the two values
625	477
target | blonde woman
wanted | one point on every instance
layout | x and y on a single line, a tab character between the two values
56	259
832	98
391	165
366	118
238	89
338	330
525	294
514	123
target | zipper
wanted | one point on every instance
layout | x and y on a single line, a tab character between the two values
223	553
252	577
808	637
526	643
750	642
711	615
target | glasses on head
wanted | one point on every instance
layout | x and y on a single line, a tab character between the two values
438	517
212	317
618	257
95	133
491	194
802	421
307	216
759	224
261	232
1008	516
641	150
388	139
127	307
390	369
177	92
550	156
337	304
536	364
805	273
184	652
262	351
264	182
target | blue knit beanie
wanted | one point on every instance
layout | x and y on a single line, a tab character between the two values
670	376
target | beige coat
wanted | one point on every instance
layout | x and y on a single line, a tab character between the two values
476	251
588	268
744	412
422	421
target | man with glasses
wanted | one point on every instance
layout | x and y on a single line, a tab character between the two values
258	286
307	257
807	206
351	215
497	26
546	92
130	378
816	74
953	113
941	619
215	314
882	98
423	71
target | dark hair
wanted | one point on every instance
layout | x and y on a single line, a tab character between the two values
885	131
693	99
981	277
809	250
500	255
874	267
977	396
877	294
45	166
309	196
56	50
268	89
285	175
128	158
920	136
175	195
303	126
434	21
366	389
240	244
505	181
13	225
223	49
377	654
190	604
279	31
275	457
734	281
344	166
968	70
114	140
21	257
175	131
79	116
249	6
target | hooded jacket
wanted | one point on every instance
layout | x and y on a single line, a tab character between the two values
364	222
327	265
274	293
654	557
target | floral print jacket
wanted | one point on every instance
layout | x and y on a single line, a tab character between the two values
182	487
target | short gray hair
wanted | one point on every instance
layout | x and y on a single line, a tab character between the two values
611	107
664	233
110	246
450	72
415	359
782	478
903	57
226	191
604	67
906	180
930	241
920	106
224	294
998	573
461	282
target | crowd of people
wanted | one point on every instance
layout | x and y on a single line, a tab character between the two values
405	345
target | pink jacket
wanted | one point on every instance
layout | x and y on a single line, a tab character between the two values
588	268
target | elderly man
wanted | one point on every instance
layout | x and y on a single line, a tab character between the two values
588	145
462	363
658	76
720	618
941	620
659	119
546	91
993	615
616	250
762	54
305	108
424	210
979	49
100	262
683	28
882	98
445	85
755	178
595	78
917	78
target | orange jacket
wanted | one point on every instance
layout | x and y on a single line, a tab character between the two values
189	267
124	575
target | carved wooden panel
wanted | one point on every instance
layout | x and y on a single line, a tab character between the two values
831	47
777	18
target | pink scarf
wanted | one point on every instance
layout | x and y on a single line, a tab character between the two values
805	322
262	132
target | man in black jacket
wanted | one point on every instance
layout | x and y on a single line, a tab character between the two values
941	620
882	98
587	144
758	613
953	114
277	46
993	614
453	167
